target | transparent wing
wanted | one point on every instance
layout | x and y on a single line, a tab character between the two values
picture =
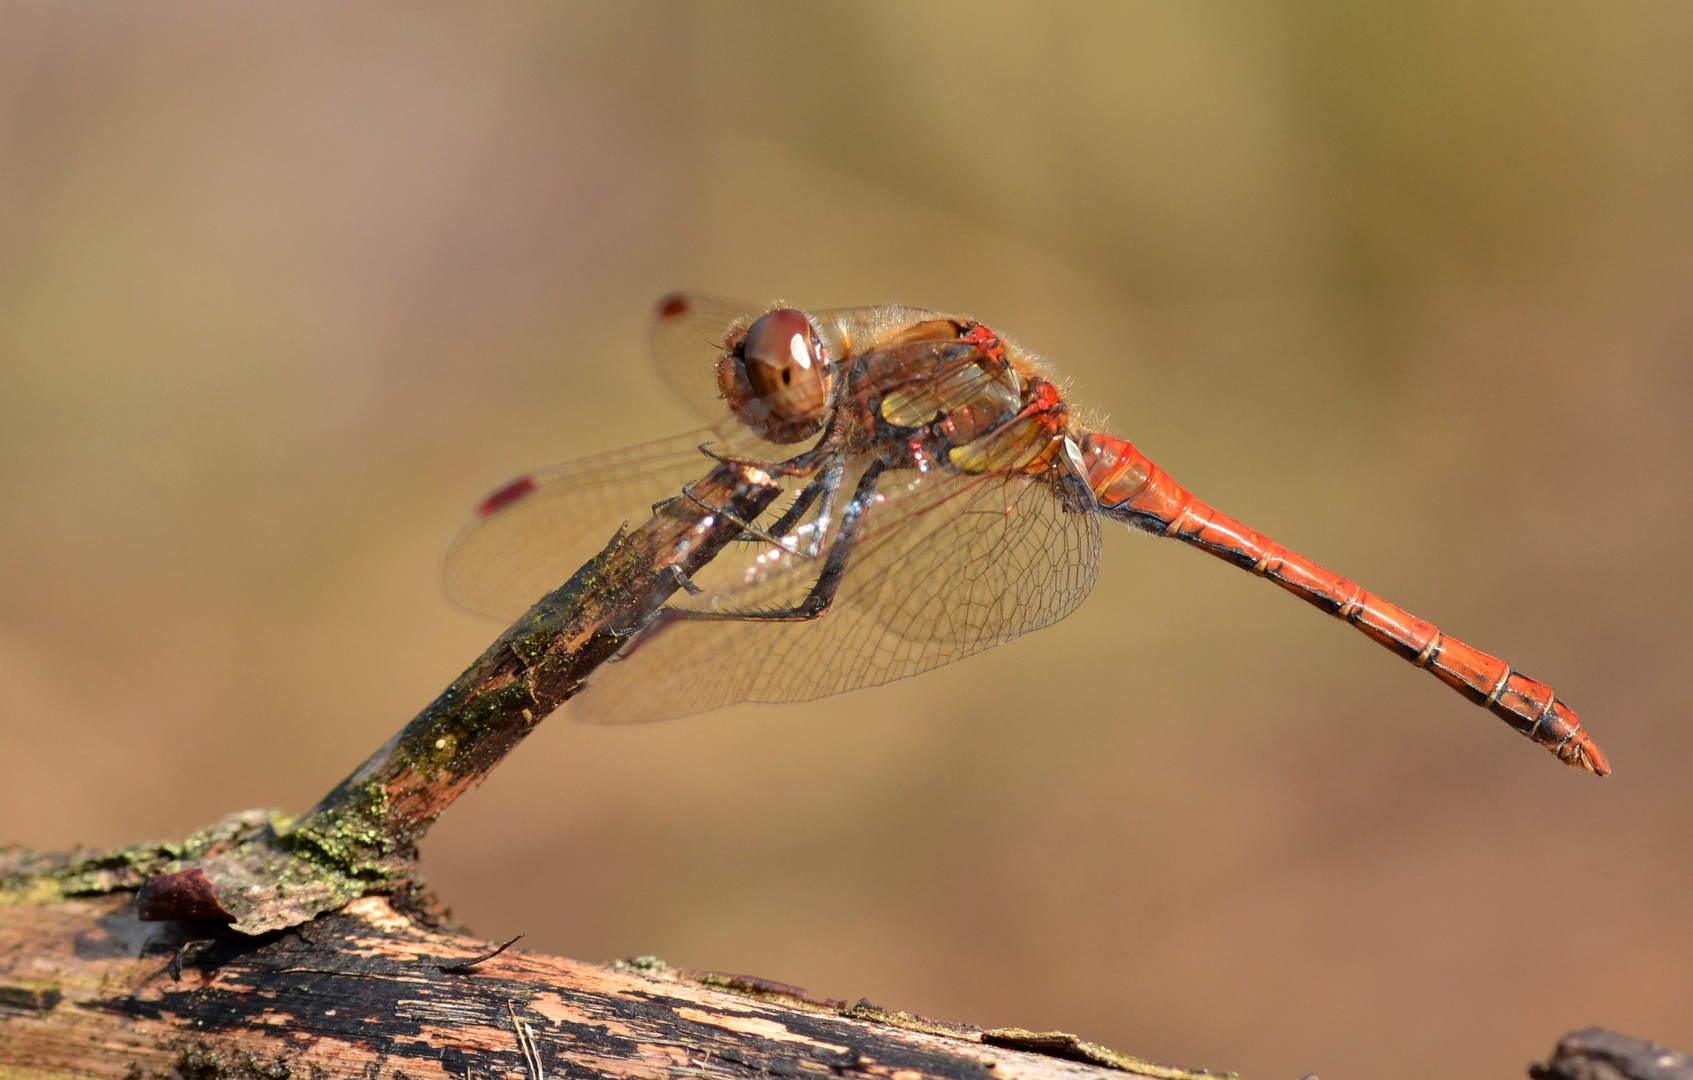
947	565
688	331
528	536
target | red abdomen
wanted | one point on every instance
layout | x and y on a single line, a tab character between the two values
1133	490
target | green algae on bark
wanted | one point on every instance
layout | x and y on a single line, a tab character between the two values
371	822
262	870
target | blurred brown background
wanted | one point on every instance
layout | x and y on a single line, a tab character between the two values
284	289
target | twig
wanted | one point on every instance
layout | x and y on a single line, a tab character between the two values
369	825
465	965
526	1045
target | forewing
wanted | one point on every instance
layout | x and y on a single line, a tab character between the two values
688	331
1001	556
948	565
530	535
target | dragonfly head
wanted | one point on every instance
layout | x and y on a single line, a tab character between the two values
775	376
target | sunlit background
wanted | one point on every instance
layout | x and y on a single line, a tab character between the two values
1409	287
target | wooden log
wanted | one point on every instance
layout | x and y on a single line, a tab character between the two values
87	989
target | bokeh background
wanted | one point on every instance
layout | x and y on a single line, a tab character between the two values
1409	287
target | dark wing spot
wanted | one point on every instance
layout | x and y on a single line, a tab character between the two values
673	306
507	495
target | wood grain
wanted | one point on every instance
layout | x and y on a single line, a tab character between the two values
86	989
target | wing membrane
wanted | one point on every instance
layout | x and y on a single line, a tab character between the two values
948	565
687	335
531	534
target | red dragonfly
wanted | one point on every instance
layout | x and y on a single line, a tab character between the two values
942	500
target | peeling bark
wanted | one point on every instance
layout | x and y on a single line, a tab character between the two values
87	989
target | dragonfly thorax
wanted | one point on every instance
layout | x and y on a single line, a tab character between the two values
956	384
970	408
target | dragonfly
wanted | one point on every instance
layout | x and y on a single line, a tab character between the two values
940	497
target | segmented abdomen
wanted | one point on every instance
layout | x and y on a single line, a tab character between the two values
1133	490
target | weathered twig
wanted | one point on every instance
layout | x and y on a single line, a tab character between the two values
376	815
263	871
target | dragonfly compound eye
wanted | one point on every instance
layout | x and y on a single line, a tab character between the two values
776	377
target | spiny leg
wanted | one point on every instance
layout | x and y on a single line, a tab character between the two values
800	465
822	592
749	531
824	486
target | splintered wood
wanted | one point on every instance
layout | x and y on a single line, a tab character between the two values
86	989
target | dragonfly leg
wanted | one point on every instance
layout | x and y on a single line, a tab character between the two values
822	593
684	581
802	502
800	465
783	525
825	487
748	529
